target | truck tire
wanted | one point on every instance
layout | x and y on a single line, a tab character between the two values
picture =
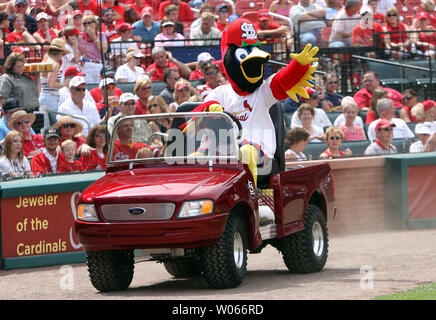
182	268
306	251
225	264
110	270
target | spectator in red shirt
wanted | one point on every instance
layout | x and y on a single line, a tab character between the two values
97	141
22	122
78	20
97	93
46	161
223	16
426	42
118	10
44	33
124	147
66	160
363	34
271	31
185	12
142	90
162	60
202	61
396	40
377	16
88	7
108	27
371	81
410	100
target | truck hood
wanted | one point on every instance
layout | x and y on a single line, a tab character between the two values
162	184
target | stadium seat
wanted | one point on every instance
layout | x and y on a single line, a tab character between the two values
333	115
412	125
314	149
402	145
358	147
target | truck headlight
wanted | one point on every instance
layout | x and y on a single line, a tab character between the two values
86	212
196	208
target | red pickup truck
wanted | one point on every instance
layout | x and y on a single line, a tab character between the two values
188	202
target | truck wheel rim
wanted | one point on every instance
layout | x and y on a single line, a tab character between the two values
238	250
318	239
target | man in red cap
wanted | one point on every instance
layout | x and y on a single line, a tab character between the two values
382	144
271	31
119	50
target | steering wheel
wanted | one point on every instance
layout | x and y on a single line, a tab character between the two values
238	123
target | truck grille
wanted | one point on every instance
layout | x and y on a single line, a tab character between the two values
138	211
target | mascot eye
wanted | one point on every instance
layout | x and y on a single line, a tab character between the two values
241	54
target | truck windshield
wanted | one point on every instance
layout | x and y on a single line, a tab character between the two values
171	137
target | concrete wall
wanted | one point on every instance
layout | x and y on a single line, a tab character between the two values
360	194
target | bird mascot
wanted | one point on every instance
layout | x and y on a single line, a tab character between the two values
248	96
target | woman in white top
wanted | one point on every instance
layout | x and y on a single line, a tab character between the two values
130	71
296	140
306	113
13	163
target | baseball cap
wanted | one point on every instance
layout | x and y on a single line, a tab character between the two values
241	32
11	105
312	93
263	15
147	11
77	13
106	82
17	2
168	23
108	69
42	15
383	123
72	72
51	132
70	30
428	104
204	57
222	6
124	26
77	81
126	97
422	15
423	128
107	9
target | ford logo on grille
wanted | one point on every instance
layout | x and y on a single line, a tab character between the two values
136	211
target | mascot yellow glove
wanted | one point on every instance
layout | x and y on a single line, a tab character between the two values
307	55
215	108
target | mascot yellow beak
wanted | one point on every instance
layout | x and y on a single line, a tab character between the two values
252	65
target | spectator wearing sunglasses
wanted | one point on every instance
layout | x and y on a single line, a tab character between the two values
69	129
330	94
213	79
77	105
410	100
334	137
170	77
383	142
97	141
22	122
183	90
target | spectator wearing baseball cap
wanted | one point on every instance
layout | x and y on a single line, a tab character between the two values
272	32
10	105
146	29
203	59
46	162
44	34
118	10
127	108
77	105
97	93
124	41
21	8
64	92
383	142
167	34
108	98
109	26
130	71
427	138
223	16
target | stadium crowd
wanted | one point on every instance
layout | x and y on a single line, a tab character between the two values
81	49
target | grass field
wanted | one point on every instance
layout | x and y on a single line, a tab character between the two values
427	292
